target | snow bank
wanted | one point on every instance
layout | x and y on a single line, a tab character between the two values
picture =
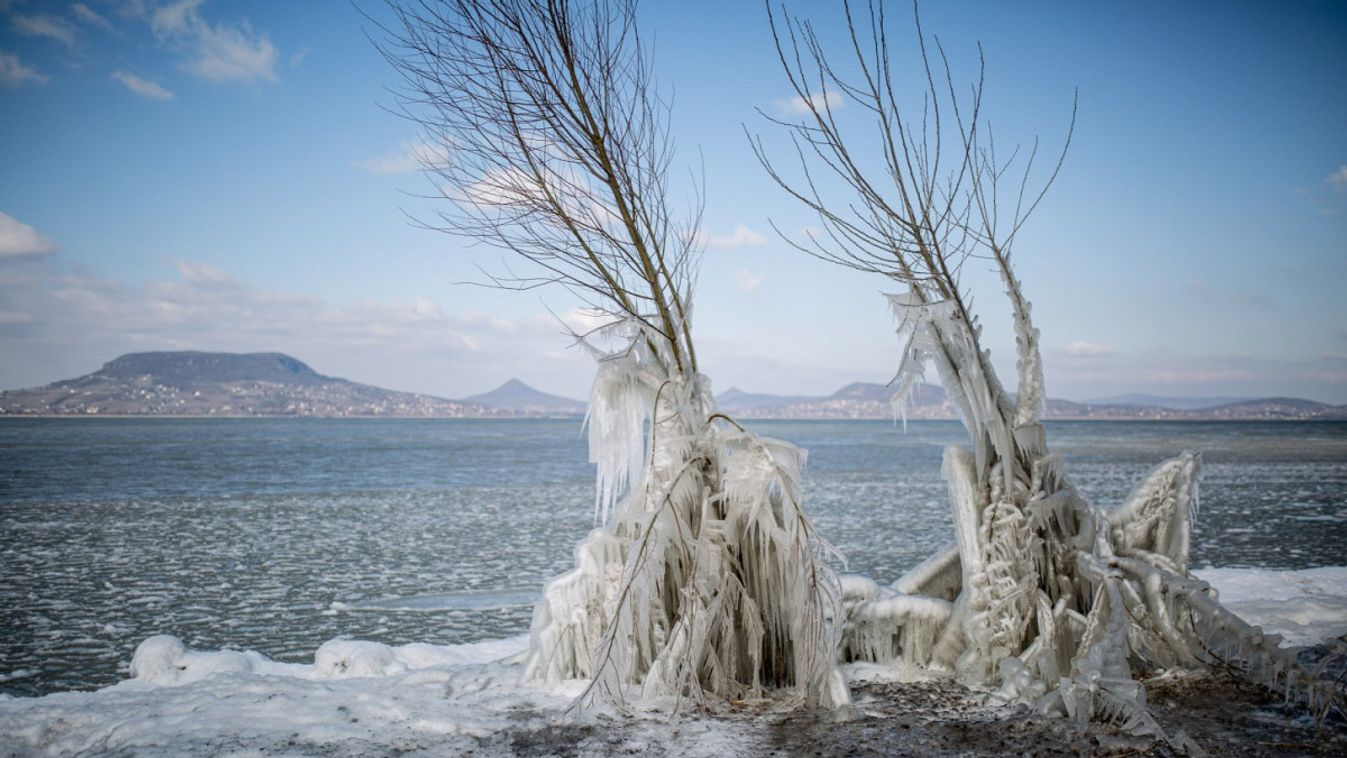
357	698
362	698
165	661
1303	606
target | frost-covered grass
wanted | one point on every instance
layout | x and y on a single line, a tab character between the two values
360	698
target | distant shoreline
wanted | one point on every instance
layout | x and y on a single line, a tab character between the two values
190	384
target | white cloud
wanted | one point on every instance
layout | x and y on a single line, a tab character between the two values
409	157
221	52
232	53
90	16
1083	349
499	188
742	236
206	275
132	9
400	162
15	73
142	87
18	239
818	100
747	281
585	322
1190	373
51	27
1338	179
174	18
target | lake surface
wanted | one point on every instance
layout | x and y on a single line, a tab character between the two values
277	535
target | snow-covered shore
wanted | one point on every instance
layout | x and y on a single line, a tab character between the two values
364	698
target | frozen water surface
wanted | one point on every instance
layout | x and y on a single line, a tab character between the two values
278	535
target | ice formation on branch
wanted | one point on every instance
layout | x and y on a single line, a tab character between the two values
1059	604
1045	597
706	576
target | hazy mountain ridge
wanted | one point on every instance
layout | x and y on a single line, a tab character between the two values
1175	403
862	400
192	383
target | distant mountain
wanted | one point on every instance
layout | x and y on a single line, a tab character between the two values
187	368
856	400
1263	409
221	384
516	397
1173	403
735	400
864	400
1278	408
274	384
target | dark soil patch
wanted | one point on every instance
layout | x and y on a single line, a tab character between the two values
1221	714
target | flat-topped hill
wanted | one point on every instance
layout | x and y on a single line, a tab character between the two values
191	383
190	367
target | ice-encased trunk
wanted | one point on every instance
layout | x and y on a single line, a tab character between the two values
707	577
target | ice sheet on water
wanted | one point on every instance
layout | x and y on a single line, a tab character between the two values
481	600
85	582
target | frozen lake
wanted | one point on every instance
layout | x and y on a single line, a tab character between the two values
278	535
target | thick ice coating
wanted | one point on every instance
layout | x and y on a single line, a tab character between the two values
1052	601
706	577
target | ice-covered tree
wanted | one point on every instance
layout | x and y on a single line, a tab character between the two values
1054	601
705	577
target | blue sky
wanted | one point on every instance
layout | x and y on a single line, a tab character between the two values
226	176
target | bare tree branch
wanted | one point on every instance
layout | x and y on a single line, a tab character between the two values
556	149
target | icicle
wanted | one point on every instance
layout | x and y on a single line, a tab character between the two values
1157	518
918	325
575	609
620	404
1031	392
707	579
891	627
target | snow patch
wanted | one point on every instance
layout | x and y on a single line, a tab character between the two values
1303	606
